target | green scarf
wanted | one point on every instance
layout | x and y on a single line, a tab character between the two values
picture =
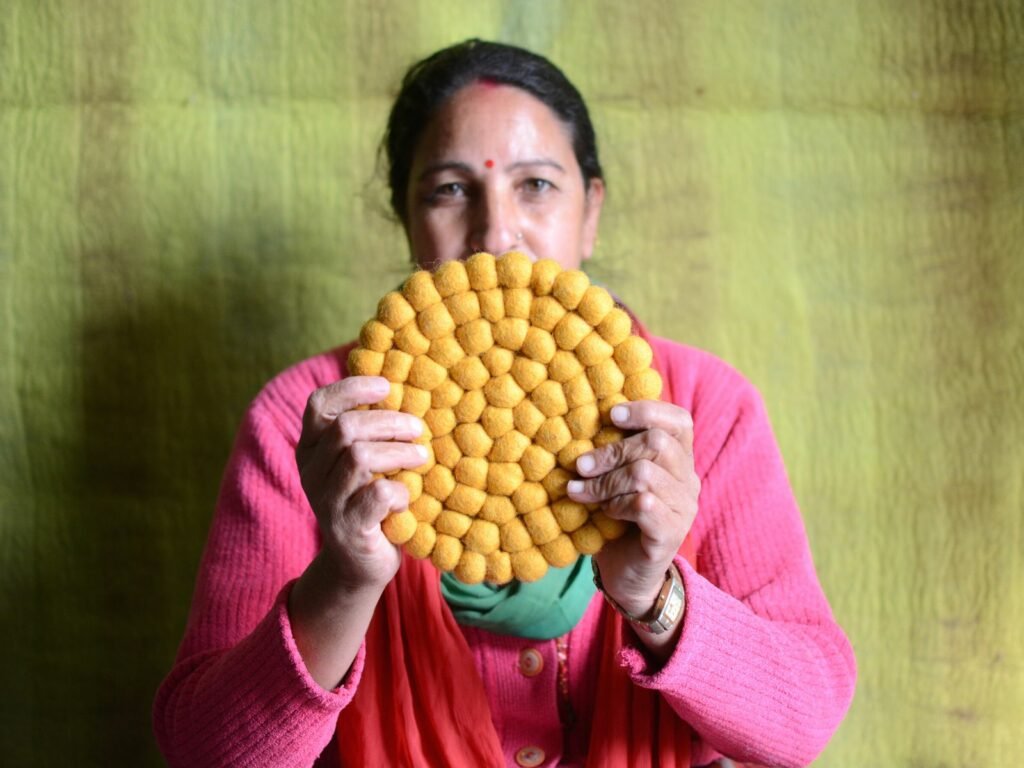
539	610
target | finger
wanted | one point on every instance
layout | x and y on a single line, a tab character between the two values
655	445
655	414
334	476
353	427
375	501
378	458
327	403
638	477
657	522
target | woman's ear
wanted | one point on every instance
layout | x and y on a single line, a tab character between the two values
591	217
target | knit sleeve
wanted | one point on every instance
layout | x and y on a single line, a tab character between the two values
762	672
239	692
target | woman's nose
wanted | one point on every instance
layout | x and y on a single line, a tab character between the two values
495	228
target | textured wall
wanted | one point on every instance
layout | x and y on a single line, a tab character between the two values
828	194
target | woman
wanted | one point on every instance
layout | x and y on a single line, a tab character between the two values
311	639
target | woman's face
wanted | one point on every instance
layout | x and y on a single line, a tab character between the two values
495	171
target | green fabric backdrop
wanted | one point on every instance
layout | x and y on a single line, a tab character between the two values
829	194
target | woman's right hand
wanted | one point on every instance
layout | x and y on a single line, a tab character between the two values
339	452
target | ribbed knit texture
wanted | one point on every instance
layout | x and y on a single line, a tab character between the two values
762	672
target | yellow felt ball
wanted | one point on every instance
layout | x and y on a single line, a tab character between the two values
393	401
528	373
570	331
543	277
529	565
492	304
605	378
497	509
517	302
426	374
412	481
510	332
607	436
584	422
595	305
446	394
439	482
446	451
415	401
579	391
465	500
376	336
527	418
569	514
446	351
469	373
420	292
633	355
553	434
609	527
593	349
410	339
556	481
426	509
572	451
564	366
435	321
453	523
497	421
471	568
549	397
472	471
514	270
509	447
569	287
446	553
499	567
514	536
365	362
503	478
559	552
498	360
545	312
463	307
483	536
536	463
605	405
587	539
422	542
539	345
399	527
481	271
396	365
616	327
503	392
473	440
542	525
475	336
451	278
470	407
394	311
528	497
644	385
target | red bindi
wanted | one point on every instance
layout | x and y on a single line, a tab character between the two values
488	163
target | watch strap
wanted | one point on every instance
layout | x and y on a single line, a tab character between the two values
668	607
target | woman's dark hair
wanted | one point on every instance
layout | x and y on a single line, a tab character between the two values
429	83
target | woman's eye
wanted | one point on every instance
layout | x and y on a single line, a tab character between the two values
451	189
537	185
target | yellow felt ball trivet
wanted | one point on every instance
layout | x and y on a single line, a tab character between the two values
514	367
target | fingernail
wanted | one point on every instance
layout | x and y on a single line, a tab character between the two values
575	486
585	464
380	384
619	414
422	451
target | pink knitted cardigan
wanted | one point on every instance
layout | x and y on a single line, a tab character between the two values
762	672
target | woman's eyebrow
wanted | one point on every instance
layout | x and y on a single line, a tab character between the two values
447	165
542	161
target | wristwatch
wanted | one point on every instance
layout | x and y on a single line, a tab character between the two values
668	608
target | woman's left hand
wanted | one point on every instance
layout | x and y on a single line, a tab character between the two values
648	479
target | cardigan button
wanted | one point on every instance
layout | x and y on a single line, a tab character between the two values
530	757
531	663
